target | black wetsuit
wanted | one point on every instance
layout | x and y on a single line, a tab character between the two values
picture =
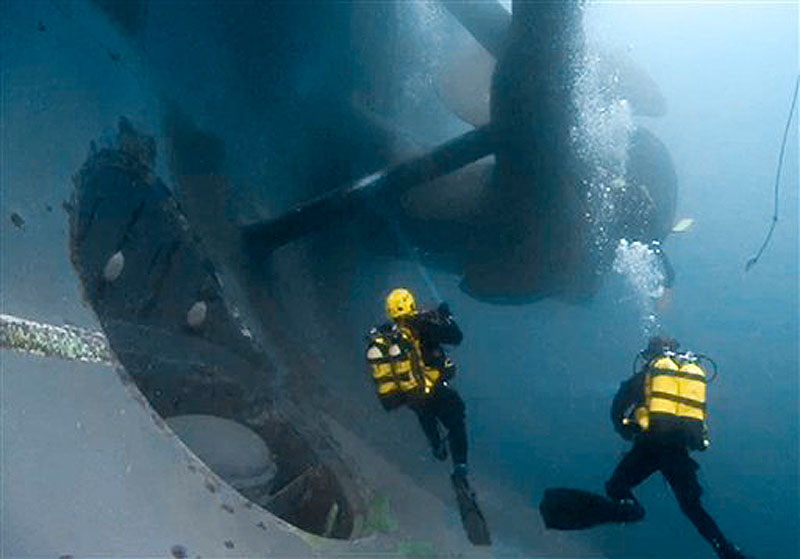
443	404
662	448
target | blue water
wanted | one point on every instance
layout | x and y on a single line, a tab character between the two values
537	379
728	74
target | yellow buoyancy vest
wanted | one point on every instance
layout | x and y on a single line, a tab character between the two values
675	385
397	367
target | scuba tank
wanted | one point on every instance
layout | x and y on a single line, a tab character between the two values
675	393
395	360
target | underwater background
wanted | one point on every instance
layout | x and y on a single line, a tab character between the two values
726	72
264	91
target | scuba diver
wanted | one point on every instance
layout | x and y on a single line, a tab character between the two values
662	409
410	367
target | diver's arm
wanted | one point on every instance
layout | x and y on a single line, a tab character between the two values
439	326
628	395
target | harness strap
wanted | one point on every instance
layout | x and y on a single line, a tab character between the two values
679	374
679	400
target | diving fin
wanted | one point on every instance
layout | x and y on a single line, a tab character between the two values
471	515
573	509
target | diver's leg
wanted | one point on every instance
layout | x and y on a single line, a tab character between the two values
681	473
427	420
450	411
635	467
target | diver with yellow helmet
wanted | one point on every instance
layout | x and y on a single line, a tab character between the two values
420	371
662	409
410	367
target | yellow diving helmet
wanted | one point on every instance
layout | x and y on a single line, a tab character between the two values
400	303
